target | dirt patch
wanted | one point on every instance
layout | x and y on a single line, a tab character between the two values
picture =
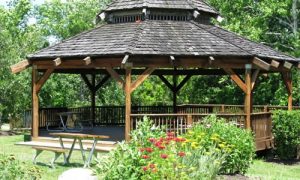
234	177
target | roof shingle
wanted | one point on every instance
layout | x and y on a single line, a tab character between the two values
178	38
164	4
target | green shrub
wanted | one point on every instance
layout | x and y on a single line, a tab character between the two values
10	168
153	154
286	131
236	144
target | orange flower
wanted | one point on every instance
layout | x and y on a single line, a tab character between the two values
149	150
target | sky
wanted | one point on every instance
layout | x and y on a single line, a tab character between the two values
4	2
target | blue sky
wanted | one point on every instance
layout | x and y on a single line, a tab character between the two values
4	2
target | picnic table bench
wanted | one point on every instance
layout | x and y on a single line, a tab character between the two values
57	151
80	137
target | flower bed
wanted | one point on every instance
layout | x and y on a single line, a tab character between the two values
202	153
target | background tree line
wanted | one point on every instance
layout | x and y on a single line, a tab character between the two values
25	28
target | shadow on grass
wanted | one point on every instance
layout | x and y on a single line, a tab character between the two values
69	165
268	156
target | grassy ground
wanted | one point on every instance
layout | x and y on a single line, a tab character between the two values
274	171
259	170
26	154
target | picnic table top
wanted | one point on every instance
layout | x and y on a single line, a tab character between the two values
68	113
78	135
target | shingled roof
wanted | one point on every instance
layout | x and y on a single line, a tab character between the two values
161	4
185	38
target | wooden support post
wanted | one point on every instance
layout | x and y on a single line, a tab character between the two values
236	78
248	105
128	102
174	89
93	97
35	104
287	79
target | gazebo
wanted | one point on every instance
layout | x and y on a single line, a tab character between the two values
162	37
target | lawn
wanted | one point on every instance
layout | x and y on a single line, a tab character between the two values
26	154
259	170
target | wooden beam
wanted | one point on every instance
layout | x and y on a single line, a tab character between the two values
248	105
166	82
287	79
102	82
211	60
172	58
20	66
87	60
87	82
275	64
127	103
298	65
183	82
287	65
115	75
57	62
236	79
35	104
261	64
124	61
254	78
141	78
43	79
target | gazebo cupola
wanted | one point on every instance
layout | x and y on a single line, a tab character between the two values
171	10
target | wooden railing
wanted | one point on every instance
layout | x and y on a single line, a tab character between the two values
115	115
261	124
179	123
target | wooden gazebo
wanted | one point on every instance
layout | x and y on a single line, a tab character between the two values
150	37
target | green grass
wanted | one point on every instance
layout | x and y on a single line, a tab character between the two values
26	154
274	171
259	170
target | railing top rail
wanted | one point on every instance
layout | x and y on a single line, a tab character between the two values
262	113
206	114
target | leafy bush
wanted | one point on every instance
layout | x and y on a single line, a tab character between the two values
286	131
236	144
10	168
153	154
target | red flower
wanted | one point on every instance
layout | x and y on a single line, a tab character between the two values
145	168
164	156
161	147
170	138
179	139
152	166
142	149
158	143
149	150
152	140
181	154
170	134
145	156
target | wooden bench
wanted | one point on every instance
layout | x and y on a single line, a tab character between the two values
57	151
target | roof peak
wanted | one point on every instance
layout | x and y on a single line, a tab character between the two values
200	5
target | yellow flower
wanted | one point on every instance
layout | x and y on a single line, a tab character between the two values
222	146
190	132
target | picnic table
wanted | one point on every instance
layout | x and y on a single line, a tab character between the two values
79	137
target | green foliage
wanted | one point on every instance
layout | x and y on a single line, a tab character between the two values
237	144
10	168
286	131
152	154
